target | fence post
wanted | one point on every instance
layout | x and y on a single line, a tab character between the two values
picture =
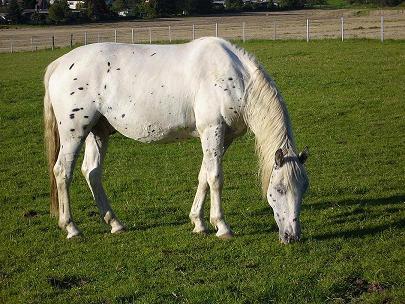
98	37
11	47
71	40
132	36
243	32
150	36
193	32
275	31
115	36
32	44
53	42
216	29
382	28
342	29
307	30
170	34
85	38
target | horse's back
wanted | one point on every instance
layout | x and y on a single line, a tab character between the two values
151	92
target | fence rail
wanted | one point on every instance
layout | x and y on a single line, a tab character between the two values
378	27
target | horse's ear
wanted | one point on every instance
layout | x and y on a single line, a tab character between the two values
279	157
303	155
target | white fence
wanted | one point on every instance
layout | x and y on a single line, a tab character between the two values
377	27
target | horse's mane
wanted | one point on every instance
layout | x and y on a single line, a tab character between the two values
266	115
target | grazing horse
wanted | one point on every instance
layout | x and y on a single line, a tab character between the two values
207	88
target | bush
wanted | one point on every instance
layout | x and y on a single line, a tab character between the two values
14	11
378	2
59	12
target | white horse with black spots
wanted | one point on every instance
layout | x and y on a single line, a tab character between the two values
207	88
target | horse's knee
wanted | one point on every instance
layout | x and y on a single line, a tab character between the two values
215	180
62	172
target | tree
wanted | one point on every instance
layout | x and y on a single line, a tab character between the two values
191	7
234	5
97	9
14	11
29	3
119	5
59	11
165	7
291	4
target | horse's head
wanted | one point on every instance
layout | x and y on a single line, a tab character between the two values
288	183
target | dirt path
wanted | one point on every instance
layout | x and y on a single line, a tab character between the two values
270	25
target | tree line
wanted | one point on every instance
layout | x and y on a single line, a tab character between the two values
97	10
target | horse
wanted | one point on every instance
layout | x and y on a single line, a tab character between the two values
207	88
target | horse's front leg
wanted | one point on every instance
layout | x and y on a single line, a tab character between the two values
212	141
197	210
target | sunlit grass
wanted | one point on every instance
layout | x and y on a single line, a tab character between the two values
346	101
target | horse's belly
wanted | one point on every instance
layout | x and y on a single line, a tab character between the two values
153	122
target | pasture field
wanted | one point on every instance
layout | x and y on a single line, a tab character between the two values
346	102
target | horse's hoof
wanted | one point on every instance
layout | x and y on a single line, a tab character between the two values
73	231
226	236
117	228
200	231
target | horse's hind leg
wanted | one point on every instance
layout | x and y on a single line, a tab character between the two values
63	171
96	147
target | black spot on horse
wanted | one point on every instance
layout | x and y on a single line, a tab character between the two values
225	89
81	108
215	84
230	78
60	122
153	131
235	112
87	84
105	86
108	71
72	130
108	63
71	66
81	88
85	116
74	78
71	116
94	101
75	109
123	115
230	108
118	69
72	93
153	54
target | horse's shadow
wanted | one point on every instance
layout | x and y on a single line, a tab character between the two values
355	208
353	214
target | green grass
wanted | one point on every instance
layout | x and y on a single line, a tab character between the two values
346	102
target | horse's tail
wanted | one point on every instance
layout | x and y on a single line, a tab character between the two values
266	116
51	138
